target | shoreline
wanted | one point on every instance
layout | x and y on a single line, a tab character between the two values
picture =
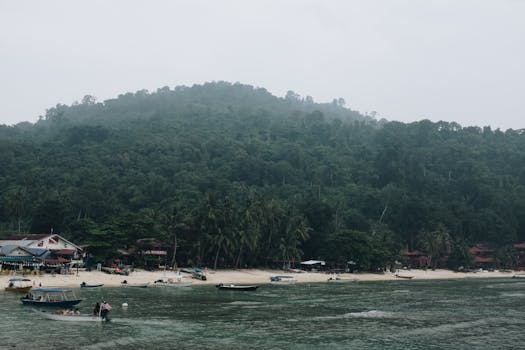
244	276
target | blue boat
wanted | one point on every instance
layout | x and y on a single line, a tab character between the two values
54	297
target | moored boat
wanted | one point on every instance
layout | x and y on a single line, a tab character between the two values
71	318
18	285
84	285
340	279
237	287
285	280
134	285
406	277
55	297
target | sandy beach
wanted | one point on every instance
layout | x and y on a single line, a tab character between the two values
245	276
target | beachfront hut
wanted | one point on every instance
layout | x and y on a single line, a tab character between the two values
48	250
483	257
519	254
51	242
16	257
154	252
415	259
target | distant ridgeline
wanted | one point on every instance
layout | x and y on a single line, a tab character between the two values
230	175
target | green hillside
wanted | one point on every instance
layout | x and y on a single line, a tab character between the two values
231	175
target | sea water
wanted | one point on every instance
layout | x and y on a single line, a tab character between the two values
446	314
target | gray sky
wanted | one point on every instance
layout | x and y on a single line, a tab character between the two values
454	60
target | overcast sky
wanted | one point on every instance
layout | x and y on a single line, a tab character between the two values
454	60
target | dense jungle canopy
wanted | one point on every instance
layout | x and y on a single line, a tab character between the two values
232	176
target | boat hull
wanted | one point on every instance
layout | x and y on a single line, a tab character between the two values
71	318
173	285
142	285
405	277
18	289
237	288
60	303
91	285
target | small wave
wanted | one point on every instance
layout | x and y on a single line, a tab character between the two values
244	303
361	314
517	295
370	314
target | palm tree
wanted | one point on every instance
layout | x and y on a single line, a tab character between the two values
436	243
295	232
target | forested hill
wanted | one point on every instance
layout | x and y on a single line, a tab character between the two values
230	175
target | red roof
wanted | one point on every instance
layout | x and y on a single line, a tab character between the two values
64	251
412	253
58	260
479	259
477	250
519	246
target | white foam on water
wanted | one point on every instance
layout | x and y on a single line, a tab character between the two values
370	314
243	303
361	314
515	295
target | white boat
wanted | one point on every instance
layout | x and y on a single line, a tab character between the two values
19	285
519	275
285	280
70	318
172	281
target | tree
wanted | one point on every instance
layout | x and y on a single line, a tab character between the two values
436	243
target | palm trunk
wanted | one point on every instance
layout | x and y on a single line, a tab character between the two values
174	260
216	257
238	262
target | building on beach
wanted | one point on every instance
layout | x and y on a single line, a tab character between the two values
484	257
415	259
32	251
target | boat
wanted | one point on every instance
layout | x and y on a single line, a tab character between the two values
134	285
56	297
84	285
237	287
199	274
341	279
404	277
283	280
71	318
173	281
16	285
519	275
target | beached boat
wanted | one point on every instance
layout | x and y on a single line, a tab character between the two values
18	285
340	279
55	297
406	277
84	285
172	281
71	318
285	280
134	285
237	287
199	274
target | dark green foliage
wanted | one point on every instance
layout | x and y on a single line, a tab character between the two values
229	175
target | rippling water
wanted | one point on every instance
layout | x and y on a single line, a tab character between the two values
457	314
